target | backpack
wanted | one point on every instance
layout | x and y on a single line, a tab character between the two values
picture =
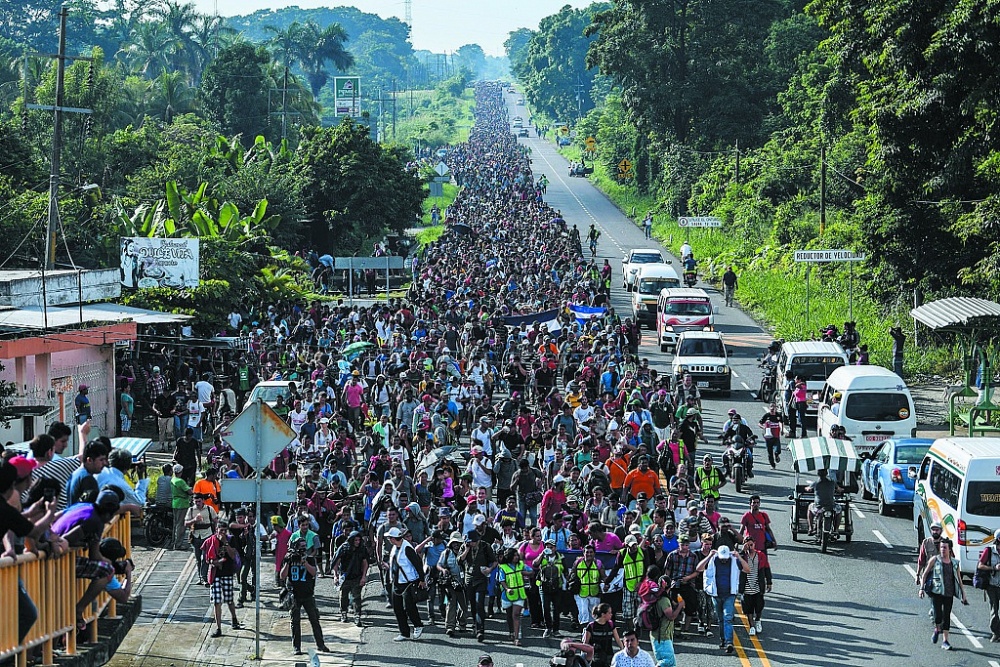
980	578
648	615
549	575
598	479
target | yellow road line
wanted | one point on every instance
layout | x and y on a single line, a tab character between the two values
754	639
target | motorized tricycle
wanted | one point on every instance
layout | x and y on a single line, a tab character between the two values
843	466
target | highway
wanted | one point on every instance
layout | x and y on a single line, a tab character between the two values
856	605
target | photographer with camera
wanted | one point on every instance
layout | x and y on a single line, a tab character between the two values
299	571
350	566
114	551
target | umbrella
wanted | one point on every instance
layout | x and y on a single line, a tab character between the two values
461	228
355	348
828	453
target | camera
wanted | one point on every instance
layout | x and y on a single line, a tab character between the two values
119	565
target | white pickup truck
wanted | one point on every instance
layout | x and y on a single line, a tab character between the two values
635	259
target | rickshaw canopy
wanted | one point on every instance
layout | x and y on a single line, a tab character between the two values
811	454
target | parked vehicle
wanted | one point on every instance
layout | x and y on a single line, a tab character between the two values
268	391
157	524
890	472
874	405
814	361
957	485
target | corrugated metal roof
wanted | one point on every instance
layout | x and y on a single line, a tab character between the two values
61	316
954	311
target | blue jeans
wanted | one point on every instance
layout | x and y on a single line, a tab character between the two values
725	611
663	653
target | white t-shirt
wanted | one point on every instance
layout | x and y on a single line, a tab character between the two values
582	414
480	471
296	419
195	410
235	319
204	389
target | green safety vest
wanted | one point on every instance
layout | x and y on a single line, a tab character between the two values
590	579
709	484
513	577
634	569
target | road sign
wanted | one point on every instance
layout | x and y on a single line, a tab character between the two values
700	221
625	168
591	144
271	490
258	434
828	256
347	95
362	263
441	169
564	129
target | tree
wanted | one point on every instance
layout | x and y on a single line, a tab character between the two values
516	45
355	190
234	90
473	58
170	95
319	47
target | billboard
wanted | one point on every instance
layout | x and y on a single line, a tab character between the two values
156	262
347	95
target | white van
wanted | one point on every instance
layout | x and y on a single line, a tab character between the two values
958	484
682	309
875	405
813	360
650	280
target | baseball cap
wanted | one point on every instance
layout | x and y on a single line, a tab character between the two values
178	468
631	540
23	465
558	479
683	538
479	520
394	533
724	552
108	499
642	496
937	524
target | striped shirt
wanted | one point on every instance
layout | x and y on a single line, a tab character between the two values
753	576
60	470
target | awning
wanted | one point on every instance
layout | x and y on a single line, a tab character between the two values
63	316
811	454
135	446
954	312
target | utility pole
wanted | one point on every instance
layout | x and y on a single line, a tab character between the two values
57	112
822	188
284	113
394	109
737	162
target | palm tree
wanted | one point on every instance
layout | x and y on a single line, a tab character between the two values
171	95
133	102
148	51
284	43
179	21
317	47
208	35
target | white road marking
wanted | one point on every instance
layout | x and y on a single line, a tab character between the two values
909	568
745	386
881	538
735	375
965	631
856	511
994	663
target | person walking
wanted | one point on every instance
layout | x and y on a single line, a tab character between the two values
670	605
754	582
647	225
942	580
224	563
602	634
512	578
587	572
989	563
631	655
722	569
770	423
451	572
299	570
406	573
180	501
350	566
552	583
730	281
201	521
478	561
800	398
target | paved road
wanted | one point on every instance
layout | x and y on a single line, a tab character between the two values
853	606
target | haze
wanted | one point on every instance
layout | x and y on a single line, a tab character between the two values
438	25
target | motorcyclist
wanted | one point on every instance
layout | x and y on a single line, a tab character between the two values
850	339
690	268
825	491
738	435
686	251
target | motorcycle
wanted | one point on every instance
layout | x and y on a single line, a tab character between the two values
158	525
827	530
690	278
768	381
738	461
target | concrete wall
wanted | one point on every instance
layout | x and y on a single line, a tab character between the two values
21	289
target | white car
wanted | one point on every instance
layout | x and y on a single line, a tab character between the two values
704	356
635	259
269	391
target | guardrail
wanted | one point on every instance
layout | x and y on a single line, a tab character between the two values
52	585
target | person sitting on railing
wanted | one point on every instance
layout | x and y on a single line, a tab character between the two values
32	523
83	525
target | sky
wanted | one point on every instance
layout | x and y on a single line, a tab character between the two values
438	25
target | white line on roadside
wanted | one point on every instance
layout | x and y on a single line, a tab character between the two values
745	385
994	663
965	631
858	512
881	538
909	568
735	375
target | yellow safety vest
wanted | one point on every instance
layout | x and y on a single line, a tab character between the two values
513	577
590	579
634	569
709	483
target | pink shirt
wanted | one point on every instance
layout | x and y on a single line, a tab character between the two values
530	552
609	542
354	393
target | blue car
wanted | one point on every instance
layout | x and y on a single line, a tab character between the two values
888	475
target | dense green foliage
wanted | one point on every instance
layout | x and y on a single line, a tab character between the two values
726	108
